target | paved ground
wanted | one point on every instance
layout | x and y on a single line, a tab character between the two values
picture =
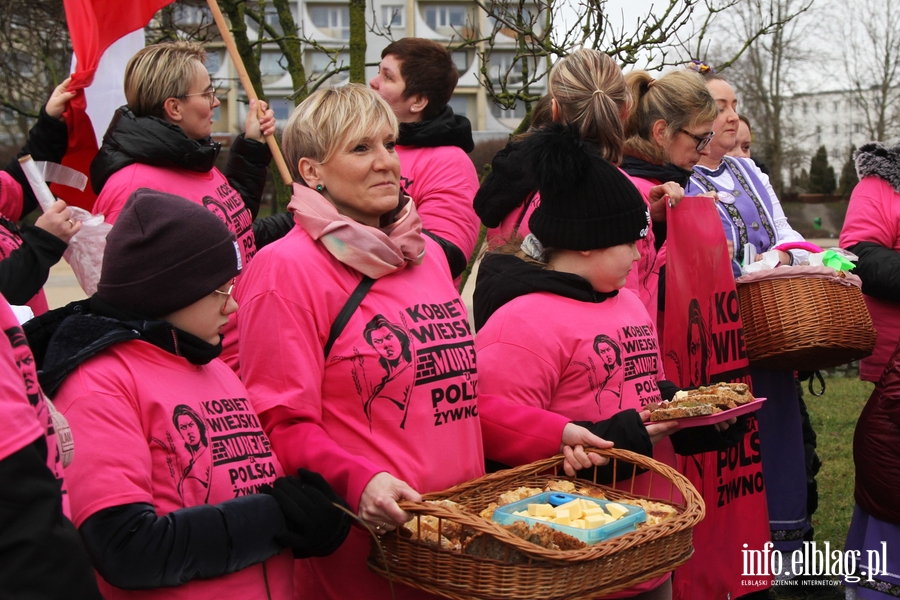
62	287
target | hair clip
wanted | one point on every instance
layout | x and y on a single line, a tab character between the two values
701	67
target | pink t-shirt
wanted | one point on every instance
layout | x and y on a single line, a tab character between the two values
11	203
874	216
583	360
398	392
24	416
154	428
210	189
442	182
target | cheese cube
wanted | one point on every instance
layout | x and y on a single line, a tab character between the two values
562	517
616	510
540	510
521	513
579	523
594	521
574	508
593	511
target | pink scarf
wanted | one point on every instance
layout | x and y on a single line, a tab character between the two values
372	251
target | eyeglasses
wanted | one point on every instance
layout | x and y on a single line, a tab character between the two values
702	141
227	294
210	94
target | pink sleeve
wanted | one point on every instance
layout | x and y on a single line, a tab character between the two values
11	198
114	194
515	385
871	215
112	464
444	198
282	365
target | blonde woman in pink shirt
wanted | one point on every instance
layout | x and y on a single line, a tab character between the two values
387	406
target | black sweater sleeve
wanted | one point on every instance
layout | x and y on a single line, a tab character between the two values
134	549
272	228
695	440
41	554
246	170
879	269
455	257
47	141
24	272
627	432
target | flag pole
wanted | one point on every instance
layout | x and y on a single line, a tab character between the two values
248	86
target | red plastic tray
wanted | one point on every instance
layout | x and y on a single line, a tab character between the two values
716	418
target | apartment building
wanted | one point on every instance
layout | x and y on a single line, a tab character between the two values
327	22
834	119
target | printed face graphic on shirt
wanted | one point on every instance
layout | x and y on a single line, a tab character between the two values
621	371
416	355
8	242
222	445
25	362
698	344
230	208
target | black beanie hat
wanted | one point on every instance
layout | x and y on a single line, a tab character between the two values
164	253
586	202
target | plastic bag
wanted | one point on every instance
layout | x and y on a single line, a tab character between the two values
85	251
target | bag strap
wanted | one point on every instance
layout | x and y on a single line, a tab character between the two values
353	302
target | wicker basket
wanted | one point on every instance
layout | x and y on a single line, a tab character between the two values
605	567
804	323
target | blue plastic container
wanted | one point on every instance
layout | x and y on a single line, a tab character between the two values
504	516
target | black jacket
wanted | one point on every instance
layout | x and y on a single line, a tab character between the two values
503	278
25	271
154	141
878	266
506	187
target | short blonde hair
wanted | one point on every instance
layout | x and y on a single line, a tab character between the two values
679	98
591	94
160	72
328	118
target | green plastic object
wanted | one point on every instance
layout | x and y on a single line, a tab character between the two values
837	262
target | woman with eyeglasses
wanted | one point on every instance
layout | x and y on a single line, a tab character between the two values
666	132
174	486
161	139
751	214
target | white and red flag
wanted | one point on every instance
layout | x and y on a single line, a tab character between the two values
95	26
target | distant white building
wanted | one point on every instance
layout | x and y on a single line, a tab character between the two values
327	22
834	119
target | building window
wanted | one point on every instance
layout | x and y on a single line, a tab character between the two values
818	106
857	128
321	62
502	68
270	64
184	14
282	108
803	108
460	105
271	18
837	105
516	112
836	154
213	61
332	20
461	60
818	134
837	129
445	16
392	15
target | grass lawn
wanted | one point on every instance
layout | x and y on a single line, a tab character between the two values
834	418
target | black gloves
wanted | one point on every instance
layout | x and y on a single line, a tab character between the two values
315	527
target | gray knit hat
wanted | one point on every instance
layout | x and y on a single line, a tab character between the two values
164	253
586	202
